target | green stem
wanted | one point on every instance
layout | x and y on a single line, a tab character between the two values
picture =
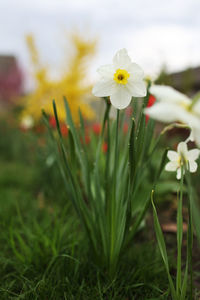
190	234
113	199
107	167
106	115
190	249
179	236
116	153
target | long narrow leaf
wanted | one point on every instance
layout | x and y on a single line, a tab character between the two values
162	247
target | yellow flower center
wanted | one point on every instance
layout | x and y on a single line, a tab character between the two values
121	76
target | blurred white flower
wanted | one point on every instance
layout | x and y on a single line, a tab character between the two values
50	160
27	122
121	80
182	157
174	106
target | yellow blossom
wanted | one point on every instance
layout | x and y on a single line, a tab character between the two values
71	84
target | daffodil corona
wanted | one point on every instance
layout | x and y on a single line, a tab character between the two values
182	158
121	76
121	80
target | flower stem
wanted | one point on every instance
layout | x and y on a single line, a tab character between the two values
116	152
113	199
190	235
179	236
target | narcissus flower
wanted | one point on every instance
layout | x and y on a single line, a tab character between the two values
174	106
121	80
182	157
27	122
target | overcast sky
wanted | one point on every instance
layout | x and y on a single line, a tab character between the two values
155	32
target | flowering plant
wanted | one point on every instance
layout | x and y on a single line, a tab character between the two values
110	185
174	106
111	213
182	161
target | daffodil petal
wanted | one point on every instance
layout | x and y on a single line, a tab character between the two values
137	89
196	136
136	71
178	174
188	117
171	166
121	59
121	98
192	166
163	112
193	154
103	88
167	93
182	149
106	71
172	155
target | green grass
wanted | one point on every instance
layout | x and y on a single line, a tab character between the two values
44	253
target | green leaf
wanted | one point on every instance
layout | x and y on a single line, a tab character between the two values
79	149
162	164
132	154
185	282
162	247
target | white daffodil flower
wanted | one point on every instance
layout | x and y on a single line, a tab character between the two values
183	157
27	122
174	106
121	80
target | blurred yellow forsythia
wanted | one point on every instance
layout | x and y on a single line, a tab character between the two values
71	84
